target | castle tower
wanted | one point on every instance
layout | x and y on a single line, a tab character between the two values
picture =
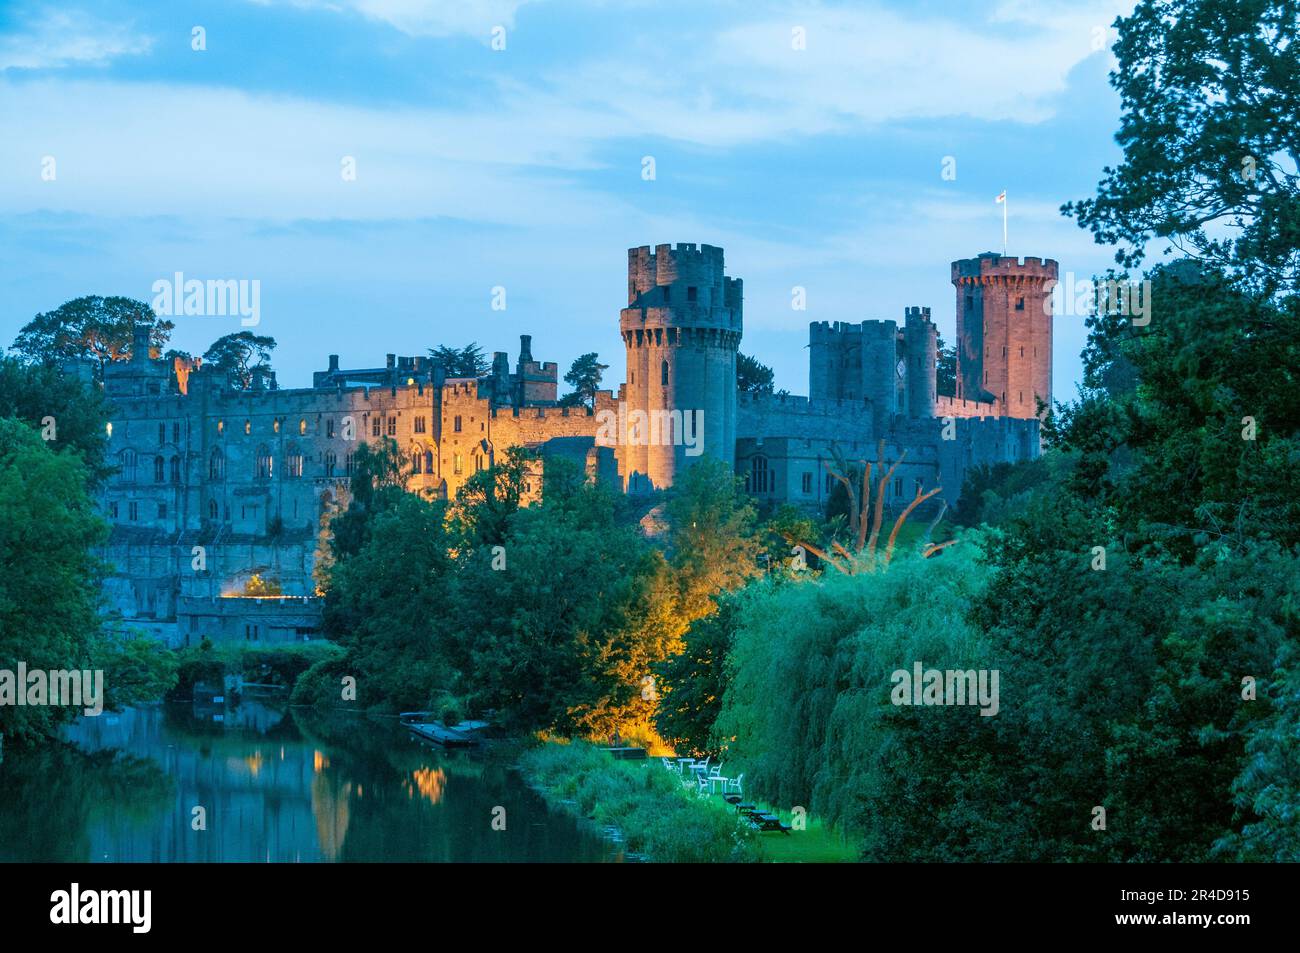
921	348
1004	331
682	328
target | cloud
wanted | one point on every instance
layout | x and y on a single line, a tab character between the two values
430	18
55	39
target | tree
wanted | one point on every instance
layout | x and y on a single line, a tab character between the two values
945	373
691	684
752	377
49	590
712	537
90	328
865	521
1210	100
467	361
584	376
239	354
487	500
42	396
387	606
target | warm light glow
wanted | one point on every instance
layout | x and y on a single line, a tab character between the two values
319	761
429	784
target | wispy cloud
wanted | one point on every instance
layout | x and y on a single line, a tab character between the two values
432	18
51	39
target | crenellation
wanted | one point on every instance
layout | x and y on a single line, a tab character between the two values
252	476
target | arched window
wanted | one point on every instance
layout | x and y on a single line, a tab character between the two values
417	460
264	462
128	461
760	477
428	461
217	465
159	468
331	461
663	373
176	469
212	510
293	463
302	427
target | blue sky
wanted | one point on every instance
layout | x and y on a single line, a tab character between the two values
522	168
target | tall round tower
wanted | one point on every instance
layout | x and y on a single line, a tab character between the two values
681	327
1004	331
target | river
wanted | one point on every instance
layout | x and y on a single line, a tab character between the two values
258	782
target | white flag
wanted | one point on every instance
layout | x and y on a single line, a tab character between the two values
1002	196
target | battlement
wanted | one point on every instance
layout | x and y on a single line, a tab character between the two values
824	332
793	404
991	265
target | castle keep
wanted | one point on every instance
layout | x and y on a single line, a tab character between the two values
217	484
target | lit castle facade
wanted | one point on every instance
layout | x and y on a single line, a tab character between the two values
217	484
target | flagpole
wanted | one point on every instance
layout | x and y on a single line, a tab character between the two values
1004	223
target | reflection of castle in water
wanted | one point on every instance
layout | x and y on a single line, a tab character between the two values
272	794
264	799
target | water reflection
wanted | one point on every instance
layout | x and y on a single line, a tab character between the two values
274	785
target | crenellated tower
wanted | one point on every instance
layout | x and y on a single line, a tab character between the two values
1004	331
681	327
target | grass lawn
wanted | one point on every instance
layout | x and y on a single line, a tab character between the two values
815	845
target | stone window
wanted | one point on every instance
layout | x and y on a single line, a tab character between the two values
264	463
176	432
392	426
456	427
293	463
221	427
159	468
458	462
668	293
417	462
692	293
248	427
331	461
1020	304
807	484
663	373
162	511
428	461
898	486
162	434
112	510
329	429
128	461
217	465
302	428
348	464
419	425
759	475
176	469
212	510
275	425
133	511
376	424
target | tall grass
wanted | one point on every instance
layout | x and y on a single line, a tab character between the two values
648	805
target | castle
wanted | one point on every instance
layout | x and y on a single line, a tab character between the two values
216	484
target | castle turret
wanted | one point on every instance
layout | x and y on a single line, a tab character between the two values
1004	331
682	328
921	347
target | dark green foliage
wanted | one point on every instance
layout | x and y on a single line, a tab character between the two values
691	684
467	361
90	328
239	354
1210	95
752	376
33	392
584	376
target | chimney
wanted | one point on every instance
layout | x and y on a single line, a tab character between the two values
525	349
